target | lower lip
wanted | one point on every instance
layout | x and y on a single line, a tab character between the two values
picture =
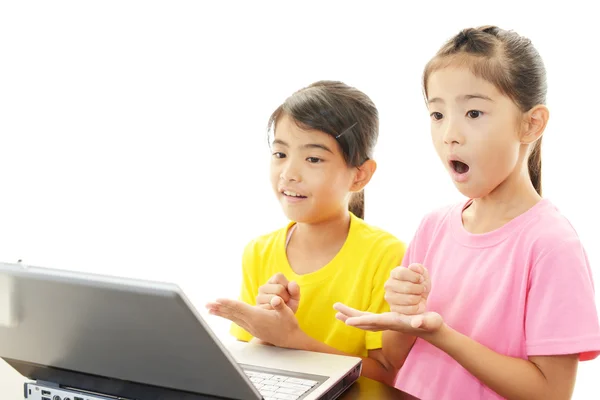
293	199
459	177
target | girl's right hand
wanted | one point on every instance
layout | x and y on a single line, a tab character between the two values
278	285
407	289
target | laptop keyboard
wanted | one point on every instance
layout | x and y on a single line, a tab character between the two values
280	387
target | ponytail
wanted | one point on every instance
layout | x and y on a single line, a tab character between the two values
534	164
357	204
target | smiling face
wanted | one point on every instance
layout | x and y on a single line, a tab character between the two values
309	175
475	130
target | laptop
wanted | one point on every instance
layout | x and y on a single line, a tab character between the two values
79	336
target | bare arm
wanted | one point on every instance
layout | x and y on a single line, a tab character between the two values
541	377
396	346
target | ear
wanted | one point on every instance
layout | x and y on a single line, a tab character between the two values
534	124
363	175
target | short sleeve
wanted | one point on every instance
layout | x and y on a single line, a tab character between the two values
249	288
391	258
561	315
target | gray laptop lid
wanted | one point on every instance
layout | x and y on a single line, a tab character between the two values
136	332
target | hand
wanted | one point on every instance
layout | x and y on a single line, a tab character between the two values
407	289
278	285
427	322
277	326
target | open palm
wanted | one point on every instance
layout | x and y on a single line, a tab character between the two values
411	324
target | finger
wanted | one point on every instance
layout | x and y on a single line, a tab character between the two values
431	321
294	290
265	306
427	282
371	328
349	311
211	305
277	302
264	298
341	316
235	309
418	268
405	274
404	287
398	299
275	289
279	305
374	320
236	304
417	321
279	278
225	312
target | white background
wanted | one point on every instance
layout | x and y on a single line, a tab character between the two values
132	134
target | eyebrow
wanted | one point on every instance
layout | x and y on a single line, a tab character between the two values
462	98
307	146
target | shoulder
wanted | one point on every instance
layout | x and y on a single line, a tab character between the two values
438	219
551	232
378	248
375	237
266	243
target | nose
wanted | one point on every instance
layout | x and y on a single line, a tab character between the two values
290	171
452	134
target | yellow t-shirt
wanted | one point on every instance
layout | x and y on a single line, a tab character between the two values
354	277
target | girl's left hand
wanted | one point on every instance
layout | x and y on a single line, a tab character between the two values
277	326
427	322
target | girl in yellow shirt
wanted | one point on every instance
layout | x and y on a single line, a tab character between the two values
322	158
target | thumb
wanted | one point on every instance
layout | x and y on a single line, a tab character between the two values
428	321
294	290
277	303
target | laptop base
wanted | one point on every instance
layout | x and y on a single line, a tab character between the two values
48	391
105	388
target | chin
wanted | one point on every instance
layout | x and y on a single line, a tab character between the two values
297	216
471	192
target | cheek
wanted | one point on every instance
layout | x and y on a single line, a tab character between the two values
274	173
438	143
333	184
436	136
502	156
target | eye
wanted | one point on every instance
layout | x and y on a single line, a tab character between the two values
313	160
279	154
436	115
474	114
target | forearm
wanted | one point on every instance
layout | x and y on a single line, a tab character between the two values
511	378
371	368
396	346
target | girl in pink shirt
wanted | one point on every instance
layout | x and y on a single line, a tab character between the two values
495	297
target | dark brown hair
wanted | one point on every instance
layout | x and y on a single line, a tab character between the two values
341	111
508	61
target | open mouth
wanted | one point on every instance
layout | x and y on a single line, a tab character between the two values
459	167
289	193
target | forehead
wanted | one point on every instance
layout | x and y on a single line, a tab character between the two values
288	130
452	82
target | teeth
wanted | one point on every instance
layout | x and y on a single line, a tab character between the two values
293	194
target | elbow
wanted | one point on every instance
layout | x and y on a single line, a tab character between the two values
390	371
398	363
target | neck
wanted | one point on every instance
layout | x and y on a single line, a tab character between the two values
323	234
510	199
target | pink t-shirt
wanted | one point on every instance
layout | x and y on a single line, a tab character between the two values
522	290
